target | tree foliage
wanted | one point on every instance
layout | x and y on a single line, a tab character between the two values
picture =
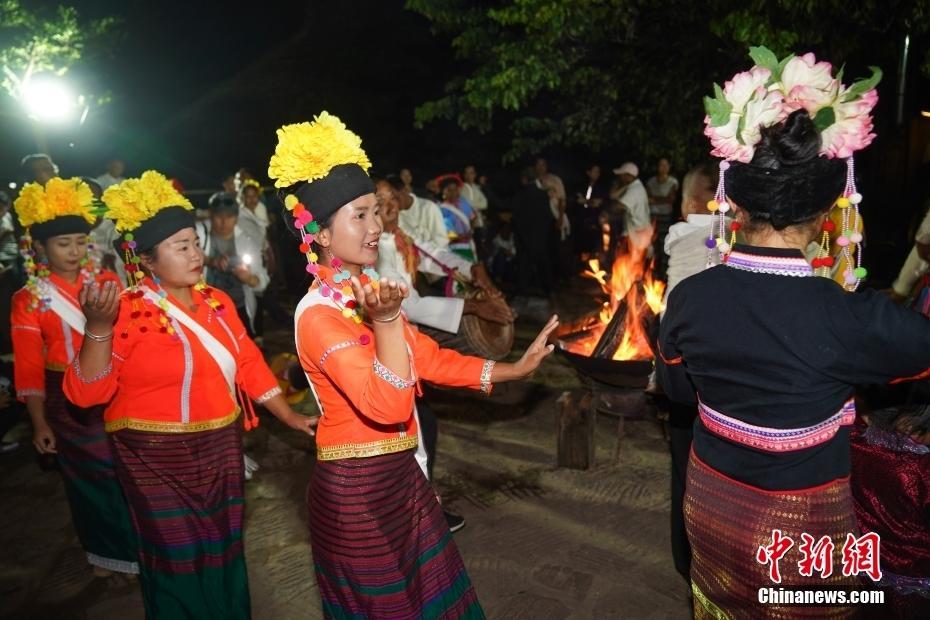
631	74
36	41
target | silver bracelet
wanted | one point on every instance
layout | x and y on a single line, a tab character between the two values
97	338
393	318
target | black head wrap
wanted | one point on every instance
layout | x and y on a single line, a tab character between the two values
158	228
787	182
325	196
62	225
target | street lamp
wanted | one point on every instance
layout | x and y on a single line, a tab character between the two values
49	99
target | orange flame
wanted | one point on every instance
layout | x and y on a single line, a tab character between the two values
628	269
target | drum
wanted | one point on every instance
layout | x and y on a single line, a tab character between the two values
476	336
490	340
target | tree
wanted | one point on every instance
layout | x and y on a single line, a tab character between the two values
630	74
34	41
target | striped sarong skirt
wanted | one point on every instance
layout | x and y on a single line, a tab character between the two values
381	545
98	508
186	497
727	523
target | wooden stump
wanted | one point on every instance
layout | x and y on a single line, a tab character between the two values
576	424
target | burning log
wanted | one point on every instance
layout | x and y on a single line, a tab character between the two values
619	326
625	325
650	323
579	329
610	340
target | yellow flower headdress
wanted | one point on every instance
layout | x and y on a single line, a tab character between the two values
135	201
148	210
324	165
61	207
59	197
309	151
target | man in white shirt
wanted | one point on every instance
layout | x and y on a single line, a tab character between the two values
685	242
472	192
443	313
114	174
553	185
634	201
421	219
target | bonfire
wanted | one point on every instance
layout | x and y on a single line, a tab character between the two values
634	301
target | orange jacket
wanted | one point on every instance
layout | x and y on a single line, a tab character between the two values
42	339
367	409
170	383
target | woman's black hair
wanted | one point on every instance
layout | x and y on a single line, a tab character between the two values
787	182
395	182
446	182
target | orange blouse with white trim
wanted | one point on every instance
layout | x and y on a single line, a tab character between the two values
367	409
170	383
42	340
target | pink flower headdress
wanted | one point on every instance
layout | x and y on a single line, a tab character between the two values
763	97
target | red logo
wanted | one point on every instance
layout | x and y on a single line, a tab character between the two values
859	555
816	556
772	553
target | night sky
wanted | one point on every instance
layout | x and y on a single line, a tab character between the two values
198	90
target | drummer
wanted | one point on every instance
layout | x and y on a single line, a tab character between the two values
399	259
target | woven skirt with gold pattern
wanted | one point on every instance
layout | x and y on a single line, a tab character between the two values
727	523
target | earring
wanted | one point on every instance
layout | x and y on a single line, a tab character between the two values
35	272
850	241
824	261
718	207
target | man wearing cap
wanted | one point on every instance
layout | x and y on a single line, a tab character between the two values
631	196
38	168
232	259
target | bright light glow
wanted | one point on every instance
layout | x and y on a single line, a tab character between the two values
246	259
925	113
48	99
12	185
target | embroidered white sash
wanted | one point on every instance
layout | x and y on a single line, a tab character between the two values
220	354
65	308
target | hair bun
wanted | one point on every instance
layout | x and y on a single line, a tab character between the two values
795	141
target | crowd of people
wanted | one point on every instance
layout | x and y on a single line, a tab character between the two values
775	443
151	454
